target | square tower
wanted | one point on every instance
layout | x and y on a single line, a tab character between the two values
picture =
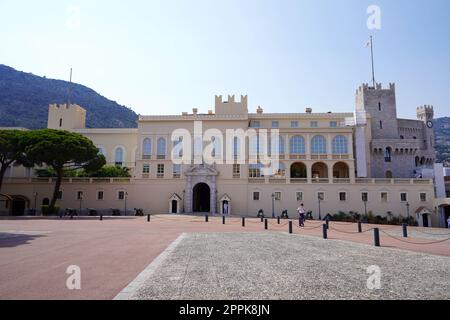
66	117
381	105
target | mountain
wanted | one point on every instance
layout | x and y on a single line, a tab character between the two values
442	134
24	100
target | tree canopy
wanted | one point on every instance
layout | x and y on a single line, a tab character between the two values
62	151
11	150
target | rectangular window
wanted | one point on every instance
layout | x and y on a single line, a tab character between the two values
365	196
256	196
333	124
160	171
176	171
403	197
381	124
321	196
313	124
379	106
79	195
236	170
294	124
121	195
255	124
423	197
299	196
275	124
60	195
277	196
342	196
146	168
384	197
254	171
100	195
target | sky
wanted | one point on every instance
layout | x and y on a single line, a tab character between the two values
165	57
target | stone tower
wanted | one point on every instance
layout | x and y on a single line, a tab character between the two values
66	117
380	104
396	148
426	115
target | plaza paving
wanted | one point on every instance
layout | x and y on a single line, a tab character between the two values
35	253
281	266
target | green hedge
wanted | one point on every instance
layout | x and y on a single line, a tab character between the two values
47	212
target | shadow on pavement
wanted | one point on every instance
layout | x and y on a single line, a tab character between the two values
10	240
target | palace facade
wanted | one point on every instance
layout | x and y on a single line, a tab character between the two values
361	161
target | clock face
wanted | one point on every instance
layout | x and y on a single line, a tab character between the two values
430	124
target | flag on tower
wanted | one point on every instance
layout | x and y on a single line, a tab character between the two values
368	44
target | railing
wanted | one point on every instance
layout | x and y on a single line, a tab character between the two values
341	180
320	180
297	156
299	180
277	180
69	180
256	180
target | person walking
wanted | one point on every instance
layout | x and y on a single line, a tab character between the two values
301	215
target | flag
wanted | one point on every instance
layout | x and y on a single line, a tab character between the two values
368	44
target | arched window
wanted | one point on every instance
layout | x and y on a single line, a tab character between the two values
198	147
297	145
318	145
118	156
217	147
236	148
161	152
178	147
388	154
340	145
147	148
277	148
254	145
388	174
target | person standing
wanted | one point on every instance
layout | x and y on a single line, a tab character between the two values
301	215
448	222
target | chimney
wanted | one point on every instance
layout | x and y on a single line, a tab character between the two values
195	111
184	113
308	110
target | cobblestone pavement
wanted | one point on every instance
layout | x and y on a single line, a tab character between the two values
283	266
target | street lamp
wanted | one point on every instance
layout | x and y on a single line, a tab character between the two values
35	203
81	201
407	211
273	205
319	199
125	198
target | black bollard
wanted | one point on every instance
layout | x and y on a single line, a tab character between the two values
405	230
359	227
327	222
148	218
290	226
262	219
266	224
101	217
376	237
278	219
206	218
243	221
324	231
223	219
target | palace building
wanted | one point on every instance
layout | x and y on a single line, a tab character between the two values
366	160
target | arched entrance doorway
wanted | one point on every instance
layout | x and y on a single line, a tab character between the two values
201	198
19	204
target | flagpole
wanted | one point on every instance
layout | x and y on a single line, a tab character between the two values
373	69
